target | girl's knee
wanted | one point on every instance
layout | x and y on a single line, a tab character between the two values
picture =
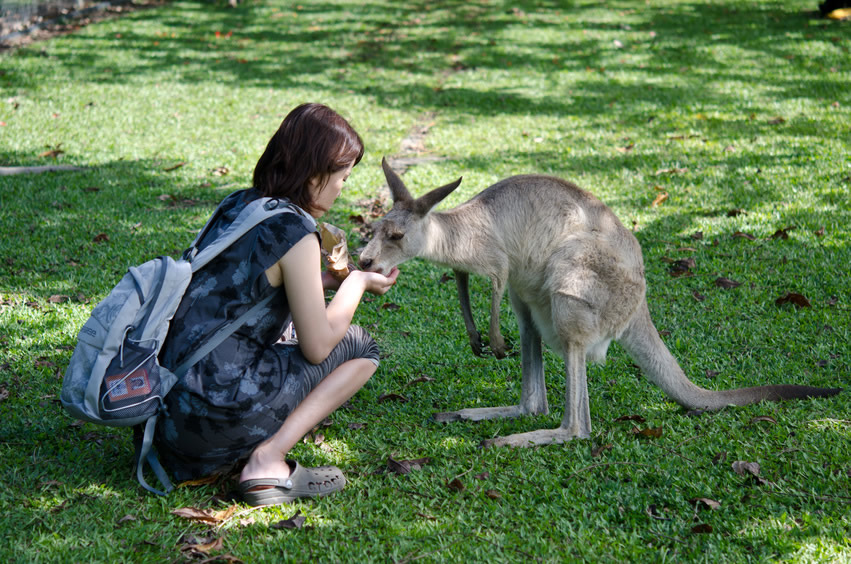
362	345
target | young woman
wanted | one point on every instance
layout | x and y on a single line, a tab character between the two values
255	395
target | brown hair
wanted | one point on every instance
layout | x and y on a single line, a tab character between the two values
313	141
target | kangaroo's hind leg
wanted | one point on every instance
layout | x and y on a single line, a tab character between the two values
533	395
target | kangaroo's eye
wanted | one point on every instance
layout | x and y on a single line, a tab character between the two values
395	235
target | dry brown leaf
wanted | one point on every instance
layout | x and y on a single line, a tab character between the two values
777	120
59	299
392	397
705	502
406	466
659	199
726	283
456	485
220	171
205	481
195	514
52	153
294	522
335	250
743	468
101	238
419	380
650	432
797	300
205	515
493	494
390	306
671	171
766	418
783	233
748	236
637	418
697	235
703	528
174	167
600	450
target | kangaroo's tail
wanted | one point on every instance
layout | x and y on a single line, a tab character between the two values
642	342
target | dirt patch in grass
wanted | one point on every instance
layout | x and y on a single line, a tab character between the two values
46	24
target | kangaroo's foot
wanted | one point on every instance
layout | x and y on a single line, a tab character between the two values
532	438
480	413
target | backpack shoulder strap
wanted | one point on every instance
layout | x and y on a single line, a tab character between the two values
252	215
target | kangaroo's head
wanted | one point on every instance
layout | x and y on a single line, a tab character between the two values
401	234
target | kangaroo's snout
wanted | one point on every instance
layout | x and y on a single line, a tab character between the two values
365	263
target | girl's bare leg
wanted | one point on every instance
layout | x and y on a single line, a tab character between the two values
268	460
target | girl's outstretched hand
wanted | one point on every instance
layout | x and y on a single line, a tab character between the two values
375	282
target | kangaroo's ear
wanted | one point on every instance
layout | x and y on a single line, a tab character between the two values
424	203
397	187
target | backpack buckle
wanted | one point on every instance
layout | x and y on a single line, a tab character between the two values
271	204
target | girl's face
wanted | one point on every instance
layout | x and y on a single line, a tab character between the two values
323	196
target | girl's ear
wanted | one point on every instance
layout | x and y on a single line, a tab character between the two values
317	183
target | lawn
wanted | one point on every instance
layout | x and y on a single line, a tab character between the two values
717	131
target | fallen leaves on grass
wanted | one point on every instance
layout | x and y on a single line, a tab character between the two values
650	432
659	199
764	418
680	267
705	502
52	152
783	233
294	522
726	283
456	485
596	452
210	516
392	396
637	418
793	298
419	380
403	467
752	469
174	167
703	528
675	170
741	235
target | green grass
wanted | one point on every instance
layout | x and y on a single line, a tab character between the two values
605	94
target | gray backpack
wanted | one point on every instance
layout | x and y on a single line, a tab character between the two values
114	377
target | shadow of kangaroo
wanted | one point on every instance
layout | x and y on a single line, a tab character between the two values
575	277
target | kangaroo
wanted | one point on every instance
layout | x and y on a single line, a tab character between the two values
575	277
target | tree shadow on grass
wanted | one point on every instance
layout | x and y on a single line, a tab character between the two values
320	44
75	233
